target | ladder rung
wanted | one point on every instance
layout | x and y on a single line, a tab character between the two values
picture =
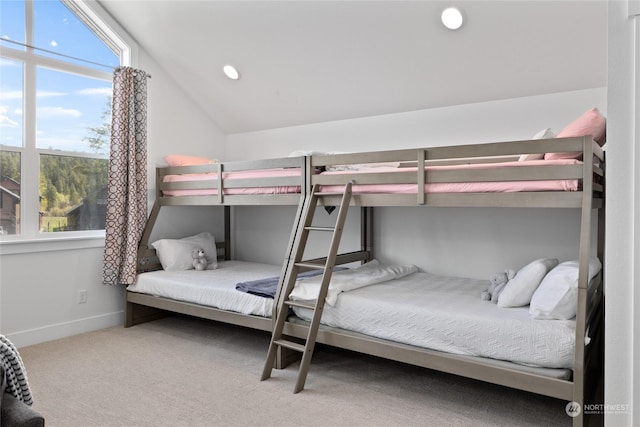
328	193
309	265
295	265
316	228
301	304
290	344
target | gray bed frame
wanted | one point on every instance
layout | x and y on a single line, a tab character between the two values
587	374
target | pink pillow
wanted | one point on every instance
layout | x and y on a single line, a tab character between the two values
179	160
591	123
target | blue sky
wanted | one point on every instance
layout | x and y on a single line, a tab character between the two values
66	104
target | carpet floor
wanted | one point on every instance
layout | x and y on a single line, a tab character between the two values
182	371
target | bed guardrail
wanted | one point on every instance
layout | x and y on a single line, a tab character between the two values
278	181
444	165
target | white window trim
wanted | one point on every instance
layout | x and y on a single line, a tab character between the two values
51	244
103	24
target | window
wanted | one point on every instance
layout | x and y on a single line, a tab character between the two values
56	67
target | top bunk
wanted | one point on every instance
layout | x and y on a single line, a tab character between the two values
553	172
194	181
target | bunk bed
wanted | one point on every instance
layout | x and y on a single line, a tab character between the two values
199	182
482	175
568	174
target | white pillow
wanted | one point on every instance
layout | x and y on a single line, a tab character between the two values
543	134
557	295
175	254
519	290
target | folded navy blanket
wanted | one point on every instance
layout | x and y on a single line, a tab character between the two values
268	287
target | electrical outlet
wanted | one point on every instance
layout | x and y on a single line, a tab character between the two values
82	296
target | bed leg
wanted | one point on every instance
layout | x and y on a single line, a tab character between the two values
136	314
285	357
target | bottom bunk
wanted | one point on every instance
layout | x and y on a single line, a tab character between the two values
356	334
438	322
209	294
447	314
441	322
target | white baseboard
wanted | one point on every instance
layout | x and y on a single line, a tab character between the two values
67	329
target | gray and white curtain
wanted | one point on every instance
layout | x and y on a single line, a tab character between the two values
127	183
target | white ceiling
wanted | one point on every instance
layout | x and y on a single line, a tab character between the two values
314	61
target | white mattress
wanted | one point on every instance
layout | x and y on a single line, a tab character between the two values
447	314
213	288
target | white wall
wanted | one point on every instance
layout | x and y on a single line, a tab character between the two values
39	282
510	119
39	295
177	126
261	233
622	340
468	242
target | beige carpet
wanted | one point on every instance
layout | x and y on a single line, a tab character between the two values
182	371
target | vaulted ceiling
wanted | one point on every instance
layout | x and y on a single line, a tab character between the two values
305	62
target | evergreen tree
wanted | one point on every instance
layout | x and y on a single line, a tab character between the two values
99	138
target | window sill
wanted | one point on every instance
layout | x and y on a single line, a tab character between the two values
50	244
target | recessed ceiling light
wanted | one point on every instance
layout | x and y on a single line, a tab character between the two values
452	18
231	72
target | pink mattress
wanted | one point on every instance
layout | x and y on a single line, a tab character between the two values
252	174
462	187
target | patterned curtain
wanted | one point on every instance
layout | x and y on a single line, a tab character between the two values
127	182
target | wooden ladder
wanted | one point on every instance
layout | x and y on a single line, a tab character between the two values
296	266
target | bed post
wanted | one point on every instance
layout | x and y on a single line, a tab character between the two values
579	389
148	227
366	231
594	364
307	170
227	233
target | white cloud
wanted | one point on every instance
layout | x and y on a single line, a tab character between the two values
63	142
5	121
10	94
99	91
8	140
17	94
48	112
46	94
53	43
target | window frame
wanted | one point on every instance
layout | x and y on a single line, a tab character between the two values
31	239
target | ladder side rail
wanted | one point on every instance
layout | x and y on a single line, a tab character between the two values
289	281
292	267
324	289
286	266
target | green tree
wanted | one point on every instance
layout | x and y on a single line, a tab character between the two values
99	135
51	195
10	165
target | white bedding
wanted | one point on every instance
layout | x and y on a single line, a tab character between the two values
373	272
447	314
213	288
